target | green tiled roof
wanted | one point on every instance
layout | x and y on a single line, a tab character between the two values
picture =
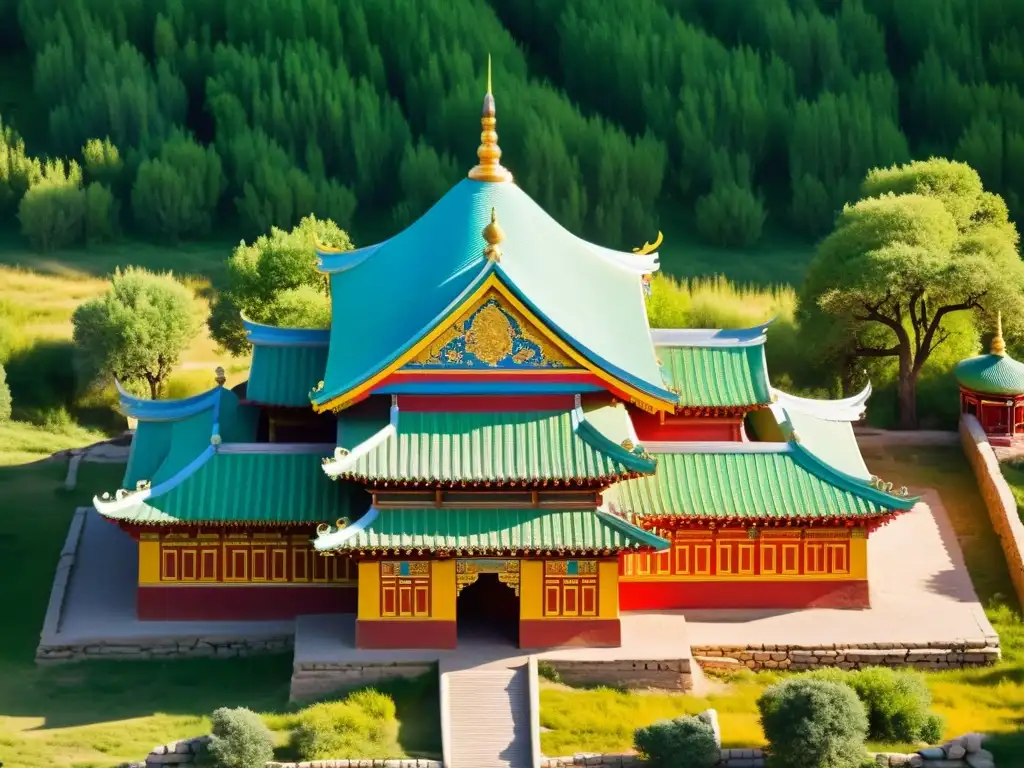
716	376
831	441
467	447
585	295
489	530
283	375
150	445
776	484
229	487
991	375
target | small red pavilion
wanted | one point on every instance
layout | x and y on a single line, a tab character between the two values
992	390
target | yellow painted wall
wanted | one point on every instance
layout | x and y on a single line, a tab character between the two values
369	591
442	590
149	562
858	558
531	589
608	590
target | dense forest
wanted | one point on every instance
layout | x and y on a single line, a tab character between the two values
173	118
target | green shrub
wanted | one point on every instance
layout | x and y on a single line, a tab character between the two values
547	670
52	212
897	704
41	376
813	723
362	725
18	171
683	742
240	739
5	397
103	162
301	307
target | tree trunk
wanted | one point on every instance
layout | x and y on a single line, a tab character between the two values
154	388
908	399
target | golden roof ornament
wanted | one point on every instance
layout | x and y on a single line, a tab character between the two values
998	345
489	153
493	235
219	377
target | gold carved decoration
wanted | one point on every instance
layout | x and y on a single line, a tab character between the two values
468	571
489	335
489	338
649	247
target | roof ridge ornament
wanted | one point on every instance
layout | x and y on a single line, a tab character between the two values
649	248
493	235
489	153
998	345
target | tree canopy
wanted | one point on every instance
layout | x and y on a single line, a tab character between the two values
925	242
137	330
274	281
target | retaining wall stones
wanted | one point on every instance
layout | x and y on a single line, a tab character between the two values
311	680
164	648
1002	508
668	674
188	753
964	752
924	656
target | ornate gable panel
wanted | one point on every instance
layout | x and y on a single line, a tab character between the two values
492	335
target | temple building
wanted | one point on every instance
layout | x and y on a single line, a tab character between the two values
491	432
992	390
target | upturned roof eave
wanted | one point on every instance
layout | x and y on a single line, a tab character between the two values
261	334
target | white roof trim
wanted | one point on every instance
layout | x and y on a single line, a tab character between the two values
714	447
344	461
708	337
332	540
847	409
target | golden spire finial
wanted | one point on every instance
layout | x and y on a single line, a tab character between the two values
493	235
489	153
998	345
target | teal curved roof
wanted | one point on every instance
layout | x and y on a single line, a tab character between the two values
396	291
991	375
286	363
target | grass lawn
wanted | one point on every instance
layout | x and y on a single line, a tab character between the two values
987	699
1014	474
104	713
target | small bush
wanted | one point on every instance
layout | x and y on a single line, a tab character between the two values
240	739
683	742
548	672
813	723
5	397
40	376
897	704
363	725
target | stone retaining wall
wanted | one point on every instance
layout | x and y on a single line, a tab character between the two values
671	674
1002	507
964	752
924	656
167	648
311	680
192	752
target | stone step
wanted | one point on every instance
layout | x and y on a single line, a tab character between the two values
489	716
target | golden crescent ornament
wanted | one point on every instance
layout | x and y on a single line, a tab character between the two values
650	247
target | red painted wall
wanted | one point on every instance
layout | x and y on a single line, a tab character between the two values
553	633
670	595
389	635
222	602
687	428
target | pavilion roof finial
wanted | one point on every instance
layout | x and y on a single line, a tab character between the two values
489	153
998	345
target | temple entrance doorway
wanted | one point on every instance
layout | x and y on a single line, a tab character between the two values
487	607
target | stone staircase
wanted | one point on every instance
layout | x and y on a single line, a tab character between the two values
485	715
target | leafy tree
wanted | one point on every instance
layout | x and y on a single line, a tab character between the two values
52	212
103	162
18	171
265	278
101	214
177	193
137	330
926	242
240	739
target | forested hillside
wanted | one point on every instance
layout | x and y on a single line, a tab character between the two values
614	114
